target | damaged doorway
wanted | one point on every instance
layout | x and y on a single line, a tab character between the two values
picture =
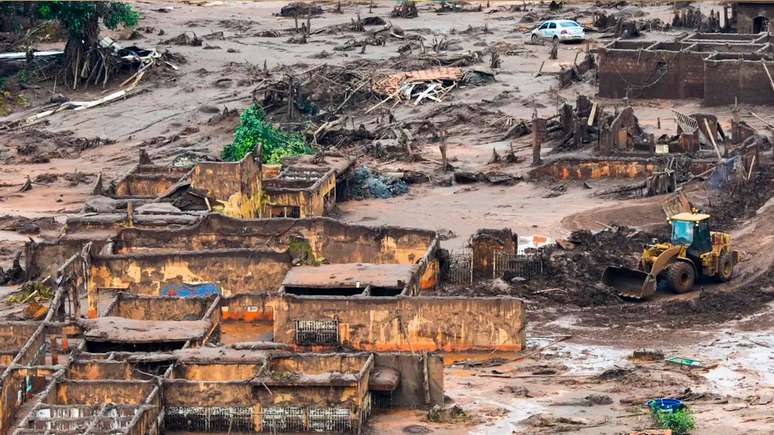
760	24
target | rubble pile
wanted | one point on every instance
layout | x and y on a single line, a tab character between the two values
416	86
707	307
460	119
368	184
40	146
623	25
570	129
300	9
323	101
319	94
375	37
405	9
744	201
693	18
573	267
456	6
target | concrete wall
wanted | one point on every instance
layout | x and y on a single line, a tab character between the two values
249	307
44	258
93	370
216	372
411	391
145	185
148	181
14	335
22	343
102	391
234	270
236	186
409	323
155	308
651	73
616	168
14	393
747	12
335	241
310	201
682	69
179	392
315	364
590	169
728	80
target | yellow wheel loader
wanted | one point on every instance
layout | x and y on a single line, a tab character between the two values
693	253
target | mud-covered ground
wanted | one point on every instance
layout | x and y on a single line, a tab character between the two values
584	384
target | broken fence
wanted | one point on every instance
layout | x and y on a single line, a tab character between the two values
317	332
522	265
461	267
525	266
272	419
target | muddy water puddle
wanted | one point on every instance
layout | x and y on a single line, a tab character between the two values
745	363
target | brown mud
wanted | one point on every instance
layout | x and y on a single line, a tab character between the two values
586	384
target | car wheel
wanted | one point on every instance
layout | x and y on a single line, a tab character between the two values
534	37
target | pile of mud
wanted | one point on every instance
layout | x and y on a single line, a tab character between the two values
300	9
573	267
745	201
703	307
26	225
318	95
39	146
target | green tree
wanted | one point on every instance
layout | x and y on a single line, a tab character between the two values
255	131
85	61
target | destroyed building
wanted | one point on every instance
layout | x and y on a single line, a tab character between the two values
719	68
605	144
752	16
300	188
201	322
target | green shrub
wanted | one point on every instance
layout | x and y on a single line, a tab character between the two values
254	130
75	16
681	421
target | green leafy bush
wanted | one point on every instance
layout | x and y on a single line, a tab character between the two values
75	16
681	421
254	130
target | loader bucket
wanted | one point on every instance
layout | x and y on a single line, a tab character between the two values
630	283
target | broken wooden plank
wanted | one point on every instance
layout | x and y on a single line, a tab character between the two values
768	124
540	70
592	114
390	97
712	139
771	81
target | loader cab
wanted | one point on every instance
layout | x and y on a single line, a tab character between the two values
692	230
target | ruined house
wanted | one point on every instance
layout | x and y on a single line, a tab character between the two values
206	323
752	16
300	188
719	68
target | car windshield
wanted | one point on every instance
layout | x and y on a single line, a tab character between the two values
570	24
682	232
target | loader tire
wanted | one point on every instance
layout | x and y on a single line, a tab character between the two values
725	267
681	277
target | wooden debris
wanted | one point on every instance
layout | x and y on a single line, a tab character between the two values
27	185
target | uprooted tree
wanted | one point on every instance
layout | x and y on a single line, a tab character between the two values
85	61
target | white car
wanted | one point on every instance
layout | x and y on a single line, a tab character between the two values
559	30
